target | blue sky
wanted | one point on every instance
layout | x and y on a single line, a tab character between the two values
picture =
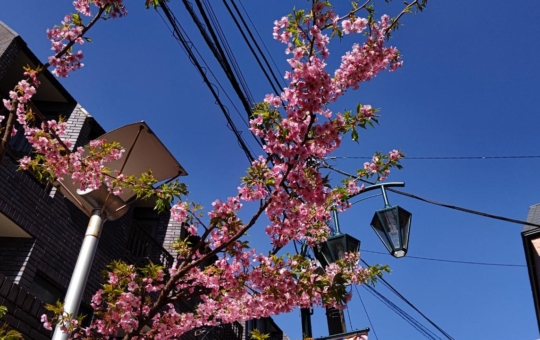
468	88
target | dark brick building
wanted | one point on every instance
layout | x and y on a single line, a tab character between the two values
41	231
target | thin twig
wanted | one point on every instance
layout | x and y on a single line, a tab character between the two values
349	14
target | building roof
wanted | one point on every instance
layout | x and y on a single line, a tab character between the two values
532	217
6	36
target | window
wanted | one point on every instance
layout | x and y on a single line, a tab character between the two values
49	292
45	290
147	219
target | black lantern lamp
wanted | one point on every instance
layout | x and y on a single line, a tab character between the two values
392	224
336	246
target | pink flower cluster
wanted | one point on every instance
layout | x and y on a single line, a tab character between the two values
71	31
47	140
280	25
60	36
121	301
243	287
22	94
356	26
117	8
88	171
365	61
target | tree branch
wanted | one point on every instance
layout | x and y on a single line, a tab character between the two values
164	295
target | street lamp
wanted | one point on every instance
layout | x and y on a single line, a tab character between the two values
332	250
392	223
145	151
336	246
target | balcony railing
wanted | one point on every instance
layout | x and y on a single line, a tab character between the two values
142	249
231	331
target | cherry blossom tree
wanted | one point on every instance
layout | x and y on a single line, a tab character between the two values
215	269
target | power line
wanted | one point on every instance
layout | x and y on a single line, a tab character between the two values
454	207
180	37
193	47
222	39
450	261
276	89
365	310
398	294
349	315
400	312
439	158
262	41
365	198
215	47
470	211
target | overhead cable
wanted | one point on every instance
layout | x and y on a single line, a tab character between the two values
470	211
426	332
221	40
188	48
246	28
451	261
262	41
349	315
365	310
398	294
216	50
440	158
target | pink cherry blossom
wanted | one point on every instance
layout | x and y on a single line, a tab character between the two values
214	267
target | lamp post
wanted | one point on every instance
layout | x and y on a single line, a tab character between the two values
331	251
392	224
305	313
145	151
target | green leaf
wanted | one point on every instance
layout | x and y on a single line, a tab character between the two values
354	135
76	19
257	335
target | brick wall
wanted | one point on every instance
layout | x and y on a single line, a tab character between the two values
14	255
24	310
57	228
169	234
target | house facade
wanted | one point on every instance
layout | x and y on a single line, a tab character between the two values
530	236
41	230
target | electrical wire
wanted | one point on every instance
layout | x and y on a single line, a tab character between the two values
262	41
451	261
470	211
365	310
398	294
246	27
180	37
454	207
365	198
349	315
401	313
222	39
439	158
216	49
193	47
